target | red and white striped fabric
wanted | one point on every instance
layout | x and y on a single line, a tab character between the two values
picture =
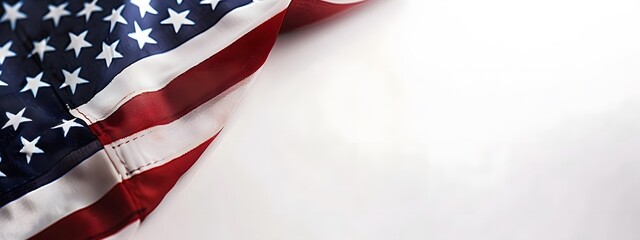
153	129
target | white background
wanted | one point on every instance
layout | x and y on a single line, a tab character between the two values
438	119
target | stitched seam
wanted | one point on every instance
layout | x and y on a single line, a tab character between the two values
184	111
191	146
100	132
129	192
85	116
114	165
121	101
117	155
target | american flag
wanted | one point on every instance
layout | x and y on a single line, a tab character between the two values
107	103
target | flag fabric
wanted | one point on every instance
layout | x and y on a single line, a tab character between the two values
106	103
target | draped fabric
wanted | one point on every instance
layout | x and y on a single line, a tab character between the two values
108	103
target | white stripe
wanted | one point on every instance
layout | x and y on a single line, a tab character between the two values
154	72
79	188
159	144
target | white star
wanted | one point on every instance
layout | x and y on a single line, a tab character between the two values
213	3
66	125
15	119
56	12
88	9
71	80
115	17
144	7
109	52
41	47
2	83
177	19
179	2
12	13
6	52
142	36
34	84
78	42
29	147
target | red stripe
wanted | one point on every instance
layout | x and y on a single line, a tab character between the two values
194	87
304	12
128	201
